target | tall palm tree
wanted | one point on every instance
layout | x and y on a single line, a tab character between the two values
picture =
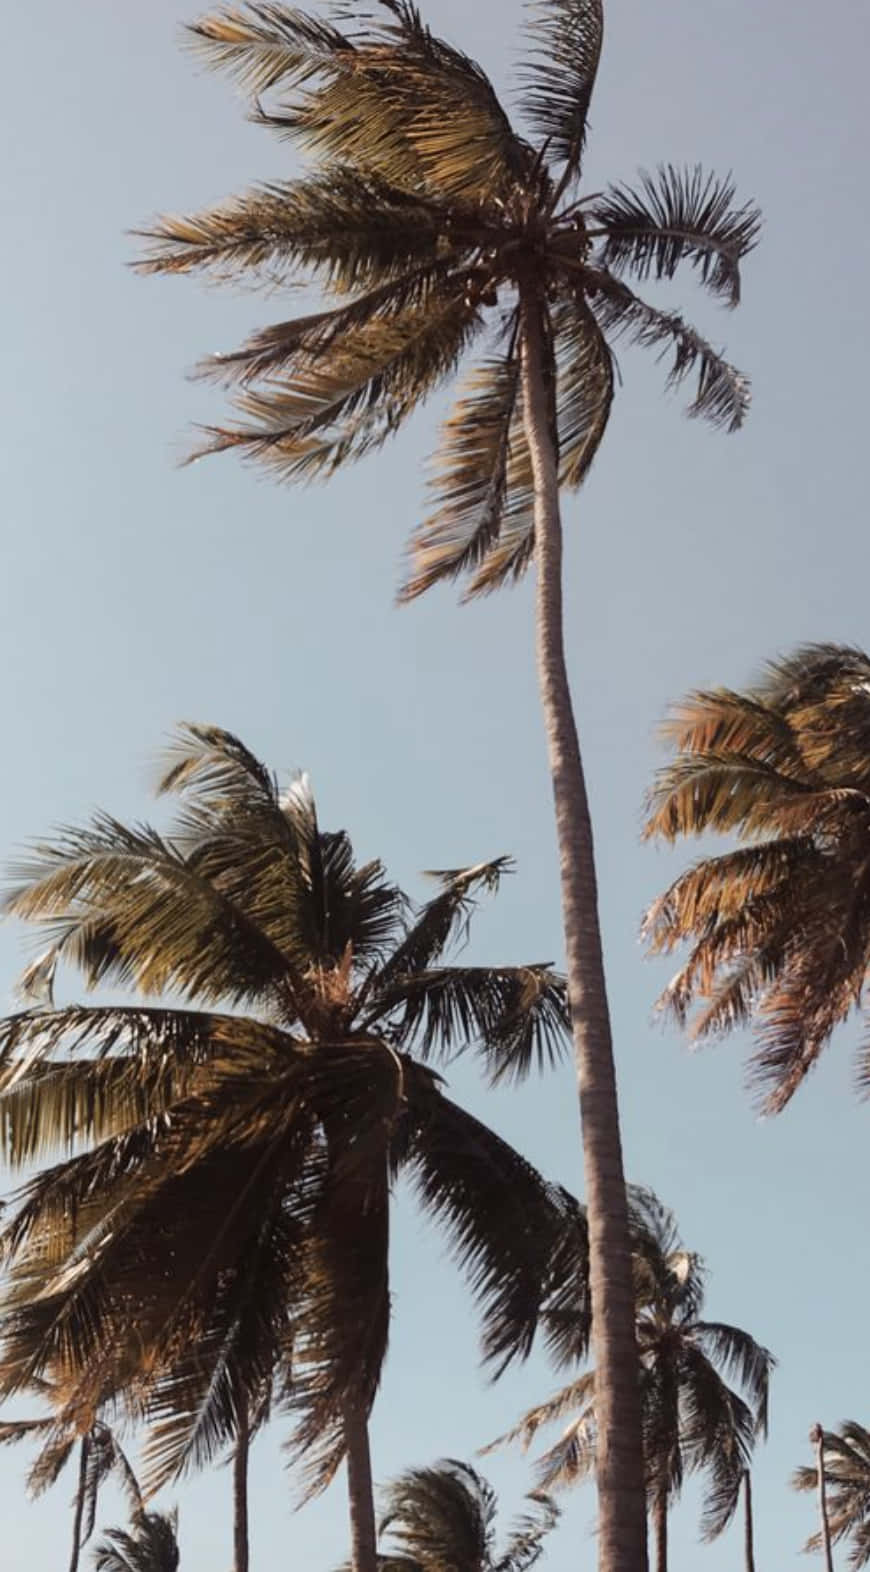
778	929
693	1420
223	1222
841	1474
151	1545
100	1455
433	223
444	1517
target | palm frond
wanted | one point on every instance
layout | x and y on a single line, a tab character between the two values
348	404
742	1359
515	1017
345	224
565	38
503	1222
575	1395
442	922
476	488
676	215
584	389
441	1516
151	1546
261	46
525	1544
722	393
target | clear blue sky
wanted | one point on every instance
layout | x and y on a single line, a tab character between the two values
135	595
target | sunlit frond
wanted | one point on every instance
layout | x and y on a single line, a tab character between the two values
262	45
673	215
584	389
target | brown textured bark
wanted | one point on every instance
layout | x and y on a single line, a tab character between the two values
78	1513
241	1549
660	1531
748	1530
817	1436
620	1468
360	1491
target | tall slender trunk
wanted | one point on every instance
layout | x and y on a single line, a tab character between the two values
660	1530
240	1489
79	1511
748	1531
360	1491
619	1465
817	1436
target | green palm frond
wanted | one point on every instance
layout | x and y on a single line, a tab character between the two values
150	1546
722	393
503	1222
565	38
441	1516
515	1017
677	215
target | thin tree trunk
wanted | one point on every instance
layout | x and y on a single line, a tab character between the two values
660	1530
78	1513
240	1490
817	1436
360	1491
619	1466
748	1532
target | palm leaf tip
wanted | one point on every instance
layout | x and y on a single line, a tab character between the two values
565	39
677	215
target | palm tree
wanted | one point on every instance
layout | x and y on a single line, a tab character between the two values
433	223
841	1474
150	1546
444	1517
779	928
223	1223
693	1420
100	1455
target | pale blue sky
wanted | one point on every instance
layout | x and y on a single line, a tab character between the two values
135	595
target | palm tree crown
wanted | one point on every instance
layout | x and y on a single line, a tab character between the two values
444	1517
693	1420
779	928
223	1221
428	219
846	1462
150	1545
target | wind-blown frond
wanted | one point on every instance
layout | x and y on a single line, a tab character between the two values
441	1516
846	1462
584	389
263	45
349	403
722	392
150	1546
674	215
515	1017
565	38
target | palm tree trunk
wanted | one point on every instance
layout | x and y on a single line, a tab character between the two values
78	1513
240	1490
748	1532
360	1491
817	1436
619	1467
660	1530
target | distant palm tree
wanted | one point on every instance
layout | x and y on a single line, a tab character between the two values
435	224
693	1420
150	1545
443	1517
100	1455
841	1474
225	1221
779	929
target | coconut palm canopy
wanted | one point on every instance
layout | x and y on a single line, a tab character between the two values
428	218
778	929
846	1462
693	1419
223	1217
150	1545
445	1517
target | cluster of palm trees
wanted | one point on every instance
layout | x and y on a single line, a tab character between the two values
201	1241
